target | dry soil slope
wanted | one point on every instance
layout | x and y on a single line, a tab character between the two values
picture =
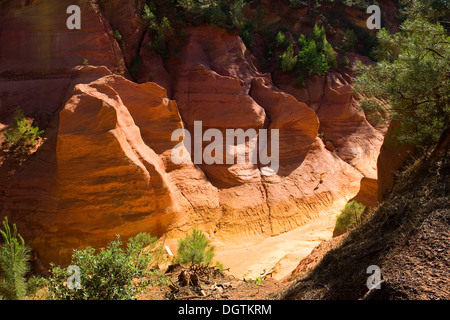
407	237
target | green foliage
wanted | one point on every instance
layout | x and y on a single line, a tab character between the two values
112	273
21	136
36	283
329	55
288	60
311	61
431	10
163	17
258	281
349	41
14	255
246	34
412	76
160	31
297	3
145	242
220	266
301	3
349	217
117	35
258	21
227	14
360	4
367	43
280	40
316	55
195	249
149	17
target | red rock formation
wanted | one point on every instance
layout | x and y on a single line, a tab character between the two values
125	18
105	167
353	138
102	177
218	84
38	53
36	41
391	158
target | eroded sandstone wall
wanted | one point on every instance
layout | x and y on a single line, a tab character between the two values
105	165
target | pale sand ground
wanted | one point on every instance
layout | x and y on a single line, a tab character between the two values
281	253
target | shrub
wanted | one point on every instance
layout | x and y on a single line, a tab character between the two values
21	136
316	56
35	284
349	217
161	31
246	34
145	242
14	255
117	35
227	14
345	62
149	17
109	274
349	41
412	79
280	39
296	3
288	60
310	61
195	250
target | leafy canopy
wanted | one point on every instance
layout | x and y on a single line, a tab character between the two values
195	249
413	77
315	57
21	136
109	273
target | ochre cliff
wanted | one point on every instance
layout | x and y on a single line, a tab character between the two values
105	165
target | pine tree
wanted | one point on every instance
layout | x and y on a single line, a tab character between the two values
412	76
14	256
22	135
195	249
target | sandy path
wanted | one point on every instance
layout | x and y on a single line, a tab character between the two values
281	253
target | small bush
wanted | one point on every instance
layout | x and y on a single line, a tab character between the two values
21	136
349	217
109	274
345	62
195	250
117	35
288	60
161	31
149	17
316	56
280	40
14	255
145	242
349	41
35	285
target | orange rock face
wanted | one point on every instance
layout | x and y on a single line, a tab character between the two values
218	85
105	179
342	125
105	167
35	38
